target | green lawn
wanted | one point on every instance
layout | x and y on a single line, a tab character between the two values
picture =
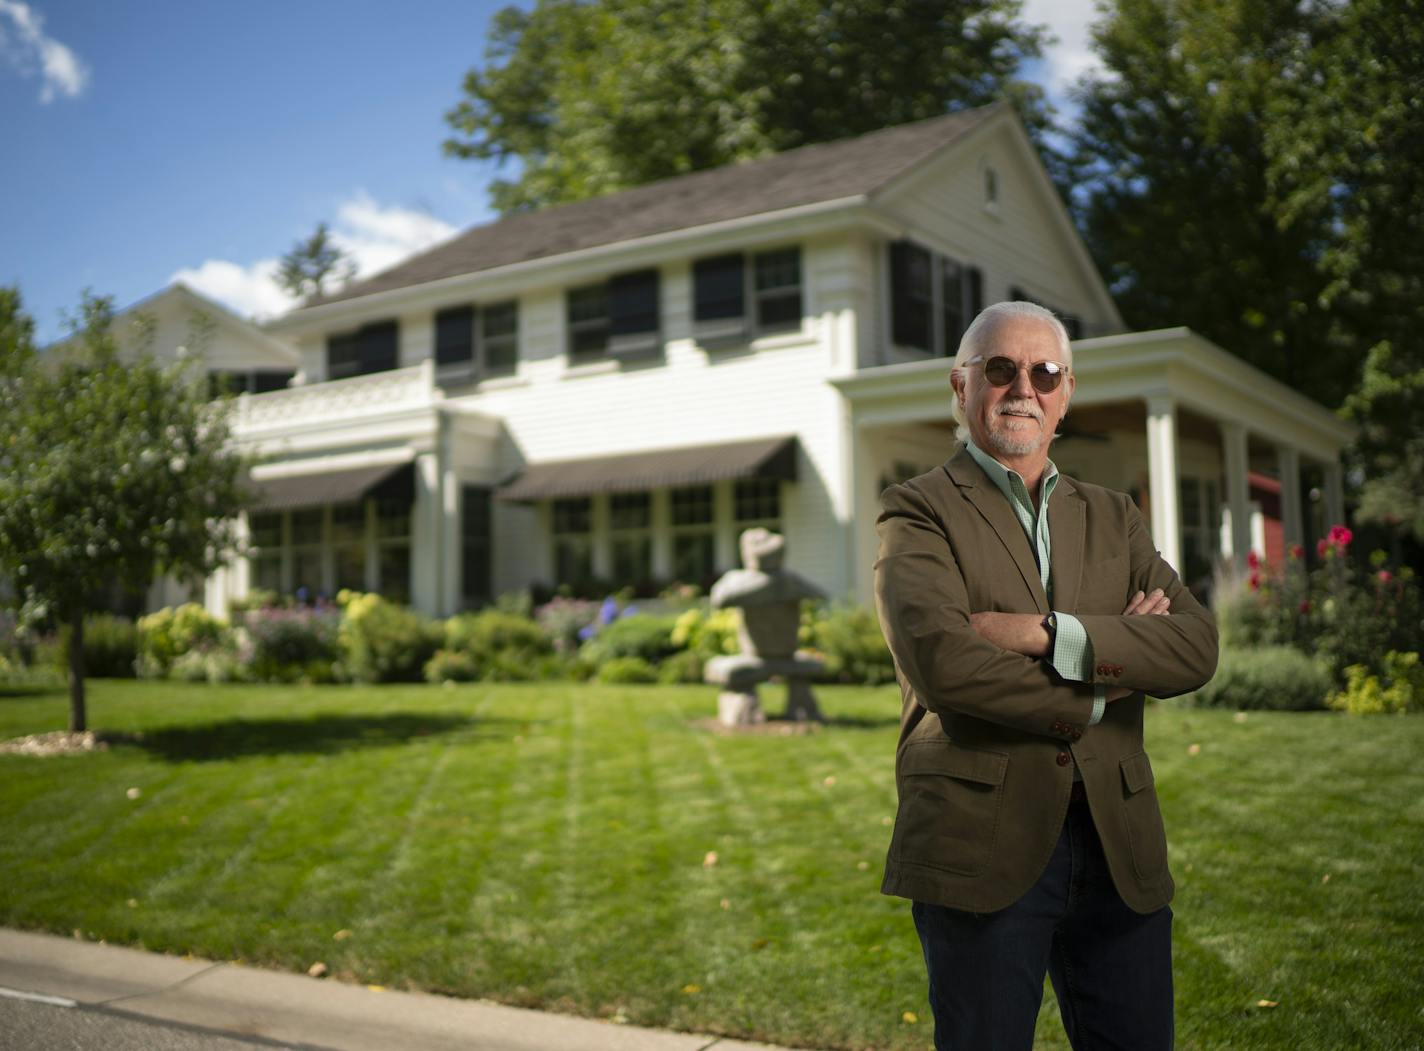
549	845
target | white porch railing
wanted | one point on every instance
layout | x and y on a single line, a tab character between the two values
336	400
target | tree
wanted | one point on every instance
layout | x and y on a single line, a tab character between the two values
1172	154
314	264
17	333
110	471
594	97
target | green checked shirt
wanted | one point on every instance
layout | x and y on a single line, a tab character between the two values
1072	649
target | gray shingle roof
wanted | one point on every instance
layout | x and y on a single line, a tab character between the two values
808	175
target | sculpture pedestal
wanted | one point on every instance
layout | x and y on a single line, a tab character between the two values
739	708
738	675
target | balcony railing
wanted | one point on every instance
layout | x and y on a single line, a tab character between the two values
336	400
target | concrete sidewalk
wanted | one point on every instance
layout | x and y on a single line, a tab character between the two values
218	1002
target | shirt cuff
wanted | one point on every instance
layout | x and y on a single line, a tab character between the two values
1100	704
1072	649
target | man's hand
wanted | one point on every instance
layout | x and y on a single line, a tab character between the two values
1141	605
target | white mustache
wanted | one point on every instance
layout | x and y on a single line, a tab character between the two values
1024	407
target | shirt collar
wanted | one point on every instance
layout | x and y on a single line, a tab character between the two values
1005	478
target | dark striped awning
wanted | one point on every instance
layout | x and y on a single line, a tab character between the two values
297	491
634	472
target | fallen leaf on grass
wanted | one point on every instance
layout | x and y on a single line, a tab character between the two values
134	793
910	1017
887	820
341	935
1239	717
317	970
132	903
1325	878
376	988
726	903
761	943
862	865
1194	749
691	989
1268	1003
710	860
830	781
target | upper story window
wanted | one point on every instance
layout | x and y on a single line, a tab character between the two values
1073	324
991	188
932	298
475	342
616	318
371	348
724	286
250	381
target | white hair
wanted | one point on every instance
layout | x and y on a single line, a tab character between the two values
976	338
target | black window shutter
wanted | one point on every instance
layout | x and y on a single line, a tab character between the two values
973	293
910	295
633	303
376	347
719	288
455	336
342	358
264	380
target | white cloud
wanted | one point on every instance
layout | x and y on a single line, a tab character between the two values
1072	56
24	44
375	238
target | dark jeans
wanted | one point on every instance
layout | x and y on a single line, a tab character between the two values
1111	967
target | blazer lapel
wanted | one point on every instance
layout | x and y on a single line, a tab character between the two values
995	509
1067	531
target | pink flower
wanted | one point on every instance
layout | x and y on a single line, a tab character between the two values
1321	547
1384	576
1253	560
1254	582
1296	551
1340	536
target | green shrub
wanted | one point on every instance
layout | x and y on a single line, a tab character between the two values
383	642
448	666
563	619
215	665
110	646
292	645
1277	678
706	632
1400	689
681	668
848	638
166	635
492	631
621	670
642	635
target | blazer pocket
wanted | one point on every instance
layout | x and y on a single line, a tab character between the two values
951	800
1143	817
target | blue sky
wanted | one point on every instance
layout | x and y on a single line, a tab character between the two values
154	140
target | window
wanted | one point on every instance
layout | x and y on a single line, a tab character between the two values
617	318
631	522
471	343
932	298
588	323
693	535
991	189
348	540
1073	324
573	540
476	544
371	348
253	381
308	528
265	534
393	548
757	502
721	294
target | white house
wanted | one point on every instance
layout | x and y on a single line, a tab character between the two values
612	390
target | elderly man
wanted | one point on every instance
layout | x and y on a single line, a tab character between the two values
1028	613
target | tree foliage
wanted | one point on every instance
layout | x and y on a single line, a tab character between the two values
594	97
111	472
315	265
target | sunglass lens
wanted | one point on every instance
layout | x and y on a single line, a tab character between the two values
1000	371
1045	376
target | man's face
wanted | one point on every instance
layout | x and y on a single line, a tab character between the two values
1017	420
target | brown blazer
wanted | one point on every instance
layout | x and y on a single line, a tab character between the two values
983	766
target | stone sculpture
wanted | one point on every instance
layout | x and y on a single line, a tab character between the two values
769	597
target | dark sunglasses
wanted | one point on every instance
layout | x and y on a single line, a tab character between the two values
1046	376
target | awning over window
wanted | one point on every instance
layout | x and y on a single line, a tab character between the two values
698	465
293	492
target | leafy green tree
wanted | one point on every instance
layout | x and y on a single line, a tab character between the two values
110	471
17	333
594	97
314	265
1347	144
1172	155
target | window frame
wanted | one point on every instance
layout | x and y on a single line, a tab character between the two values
714	327
939	342
477	362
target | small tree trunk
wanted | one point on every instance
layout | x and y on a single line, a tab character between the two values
77	722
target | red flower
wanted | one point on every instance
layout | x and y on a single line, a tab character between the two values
1340	536
1305	606
1254	582
1296	551
1253	560
1321	547
1384	576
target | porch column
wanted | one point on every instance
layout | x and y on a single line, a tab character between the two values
1292	528
1162	477
1238	490
425	530
1334	495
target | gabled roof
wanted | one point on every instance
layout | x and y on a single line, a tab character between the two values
809	175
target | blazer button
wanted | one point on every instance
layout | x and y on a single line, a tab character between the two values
1064	758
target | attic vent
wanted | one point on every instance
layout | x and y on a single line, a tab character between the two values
991	188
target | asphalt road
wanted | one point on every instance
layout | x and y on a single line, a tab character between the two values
29	1026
